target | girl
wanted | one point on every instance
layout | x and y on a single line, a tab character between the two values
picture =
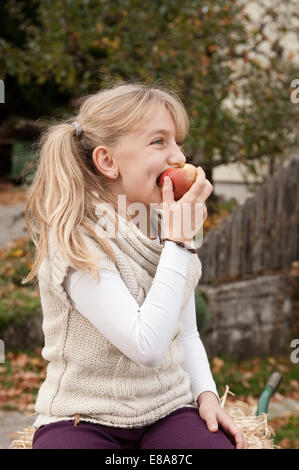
127	368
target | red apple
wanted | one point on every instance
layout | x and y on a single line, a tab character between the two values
182	179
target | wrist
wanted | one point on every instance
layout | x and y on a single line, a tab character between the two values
207	395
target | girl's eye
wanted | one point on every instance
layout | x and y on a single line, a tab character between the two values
161	140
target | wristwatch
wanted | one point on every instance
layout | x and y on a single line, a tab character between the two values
191	250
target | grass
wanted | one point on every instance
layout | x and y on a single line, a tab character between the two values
287	435
248	377
17	301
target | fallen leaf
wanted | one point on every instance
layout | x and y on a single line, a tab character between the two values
248	375
285	443
295	384
282	368
21	360
17	253
217	364
245	383
271	360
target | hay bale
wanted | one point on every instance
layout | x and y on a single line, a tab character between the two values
256	429
25	439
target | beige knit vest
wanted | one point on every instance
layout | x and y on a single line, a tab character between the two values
87	376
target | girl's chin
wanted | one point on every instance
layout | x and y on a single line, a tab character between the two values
154	197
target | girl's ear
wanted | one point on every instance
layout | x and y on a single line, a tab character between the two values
104	162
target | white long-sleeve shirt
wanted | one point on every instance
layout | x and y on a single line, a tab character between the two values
143	333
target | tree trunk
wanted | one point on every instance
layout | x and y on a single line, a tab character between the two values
6	159
10	130
6	142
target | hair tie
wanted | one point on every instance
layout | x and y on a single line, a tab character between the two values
78	128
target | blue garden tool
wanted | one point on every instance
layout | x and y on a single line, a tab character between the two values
269	390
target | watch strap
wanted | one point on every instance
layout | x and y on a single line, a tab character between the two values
191	250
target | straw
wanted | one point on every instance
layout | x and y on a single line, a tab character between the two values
256	429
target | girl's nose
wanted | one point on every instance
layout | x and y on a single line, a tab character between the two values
177	157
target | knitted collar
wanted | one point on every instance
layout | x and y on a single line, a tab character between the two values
137	256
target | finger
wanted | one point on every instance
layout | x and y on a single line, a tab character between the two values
200	192
194	191
167	190
205	212
239	439
211	421
201	211
229	426
205	191
245	442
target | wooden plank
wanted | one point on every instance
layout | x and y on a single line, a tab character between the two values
290	208
258	232
216	250
296	231
293	213
270	185
228	243
222	251
251	229
285	215
295	242
277	255
245	236
285	218
235	242
212	255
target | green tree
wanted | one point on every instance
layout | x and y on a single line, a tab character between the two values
236	91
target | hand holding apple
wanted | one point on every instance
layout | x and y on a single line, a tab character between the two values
175	225
182	179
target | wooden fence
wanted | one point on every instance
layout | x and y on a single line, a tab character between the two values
258	236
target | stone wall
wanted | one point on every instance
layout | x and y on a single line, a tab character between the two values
249	318
27	333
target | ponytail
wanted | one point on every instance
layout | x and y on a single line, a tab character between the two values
67	185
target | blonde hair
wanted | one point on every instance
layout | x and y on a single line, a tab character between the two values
67	185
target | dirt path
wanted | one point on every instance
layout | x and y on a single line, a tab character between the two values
10	423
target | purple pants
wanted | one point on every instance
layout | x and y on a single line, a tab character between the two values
181	429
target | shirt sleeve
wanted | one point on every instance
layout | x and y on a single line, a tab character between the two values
141	333
195	357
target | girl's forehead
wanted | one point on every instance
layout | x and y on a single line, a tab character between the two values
152	120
